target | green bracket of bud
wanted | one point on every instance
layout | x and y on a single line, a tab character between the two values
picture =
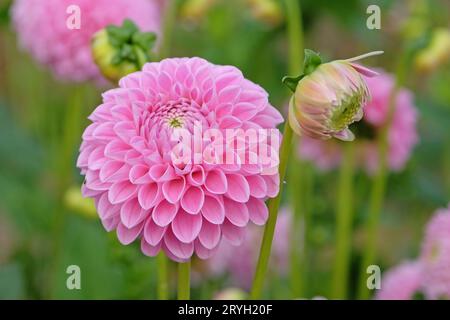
311	62
131	44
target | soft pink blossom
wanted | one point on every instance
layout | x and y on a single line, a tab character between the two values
401	282
127	158
435	256
42	29
402	133
240	262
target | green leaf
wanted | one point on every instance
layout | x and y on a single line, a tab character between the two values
312	61
145	40
291	82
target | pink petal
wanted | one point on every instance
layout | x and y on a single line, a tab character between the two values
257	185
111	223
272	184
164	213
197	176
150	250
173	190
216	182
139	174
153	233
203	252
176	247
364	71
238	188
105	209
131	213
258	211
126	235
209	235
148	195
213	210
193	200
121	191
235	235
236	213
186	226
162	173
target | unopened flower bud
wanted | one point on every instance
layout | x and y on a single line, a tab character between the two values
119	51
328	97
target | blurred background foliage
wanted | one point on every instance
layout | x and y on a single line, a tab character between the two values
33	105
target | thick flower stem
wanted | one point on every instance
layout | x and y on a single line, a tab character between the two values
273	205
163	286
344	219
375	205
184	277
65	151
170	13
297	253
295	65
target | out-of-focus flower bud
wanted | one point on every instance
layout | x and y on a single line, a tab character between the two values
328	97
231	294
83	206
436	53
193	10
119	51
267	11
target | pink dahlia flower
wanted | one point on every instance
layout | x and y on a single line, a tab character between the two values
130	157
42	30
402	133
401	282
436	256
239	263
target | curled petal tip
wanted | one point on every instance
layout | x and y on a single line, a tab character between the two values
364	71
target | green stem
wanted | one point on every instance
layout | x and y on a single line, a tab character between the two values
163	287
64	164
297	254
170	13
273	205
375	205
344	218
184	275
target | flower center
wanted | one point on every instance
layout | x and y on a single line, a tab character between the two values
345	113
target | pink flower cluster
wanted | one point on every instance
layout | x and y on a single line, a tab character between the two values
430	274
402	137
42	30
126	157
239	263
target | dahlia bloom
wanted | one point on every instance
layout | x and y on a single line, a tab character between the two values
132	166
435	256
402	135
42	30
401	282
328	97
240	262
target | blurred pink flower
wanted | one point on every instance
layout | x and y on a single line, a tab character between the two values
401	282
402	134
240	262
42	30
127	158
435	256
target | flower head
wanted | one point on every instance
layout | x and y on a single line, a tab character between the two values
435	256
328	97
43	30
402	136
129	156
401	282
